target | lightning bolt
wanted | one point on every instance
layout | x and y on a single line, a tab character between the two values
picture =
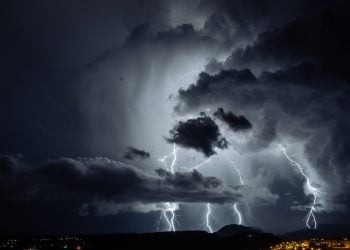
236	211
310	216
170	207
201	164
236	170
208	215
166	157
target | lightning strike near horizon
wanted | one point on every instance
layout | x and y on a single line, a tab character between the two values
170	207
208	215
235	208
313	191
238	213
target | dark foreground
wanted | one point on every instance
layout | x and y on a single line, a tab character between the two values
228	237
166	240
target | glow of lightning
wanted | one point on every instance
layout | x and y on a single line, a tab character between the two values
201	164
208	215
310	215
182	77
170	207
170	221
235	208
238	213
156	95
165	216
164	160
236	169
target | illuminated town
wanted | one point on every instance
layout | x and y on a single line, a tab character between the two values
60	242
313	244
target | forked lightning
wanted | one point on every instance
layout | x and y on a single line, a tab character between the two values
235	205
170	207
310	216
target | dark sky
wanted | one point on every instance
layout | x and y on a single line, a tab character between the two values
93	93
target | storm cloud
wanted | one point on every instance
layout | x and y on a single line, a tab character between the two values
201	134
132	153
300	93
97	179
235	122
319	39
91	78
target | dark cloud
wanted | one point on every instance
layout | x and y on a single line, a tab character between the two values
305	94
100	179
132	153
212	88
201	134
235	122
308	62
256	16
319	40
299	95
226	30
304	103
213	66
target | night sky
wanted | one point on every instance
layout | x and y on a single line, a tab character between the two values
253	96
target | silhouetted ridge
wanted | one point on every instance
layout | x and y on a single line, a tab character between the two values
233	229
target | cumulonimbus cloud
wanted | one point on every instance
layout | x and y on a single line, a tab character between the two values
99	180
298	92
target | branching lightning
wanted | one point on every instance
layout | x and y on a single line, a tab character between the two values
166	157
236	211
310	216
201	164
170	207
208	214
